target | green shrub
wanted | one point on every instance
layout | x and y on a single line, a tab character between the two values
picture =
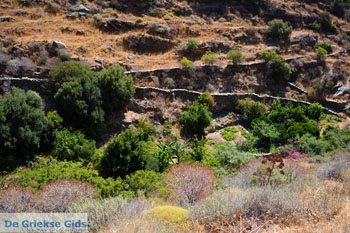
321	52
324	23
315	26
195	119
324	45
229	158
278	68
302	128
154	13
339	7
206	99
235	56
48	169
23	127
172	216
126	154
149	183
209	57
313	145
79	102
55	121
267	133
250	108
314	111
192	45
72	146
229	133
187	64
67	71
117	88
278	29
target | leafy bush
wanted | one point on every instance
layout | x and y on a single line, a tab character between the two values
229	159
301	128
117	88
57	196
126	154
187	64
46	170
267	133
315	26
72	146
195	119
278	69
209	57
235	56
314	111
66	72
206	99
191	182
252	109
192	45
172	216
23	127
324	23
278	29
229	133
149	183
79	102
324	45
321	52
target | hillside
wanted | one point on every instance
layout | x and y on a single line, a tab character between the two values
177	116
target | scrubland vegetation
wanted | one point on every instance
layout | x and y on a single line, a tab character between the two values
277	165
139	183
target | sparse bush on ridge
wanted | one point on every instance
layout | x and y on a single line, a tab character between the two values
235	56
187	64
209	57
278	29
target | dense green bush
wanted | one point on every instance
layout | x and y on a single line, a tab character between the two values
250	108
321	52
339	7
195	119
229	159
23	127
229	133
117	88
127	153
187	64
67	71
209	57
72	146
148	183
324	45
79	102
46	169
301	128
278	69
314	111
235	56
192	45
278	29
324	23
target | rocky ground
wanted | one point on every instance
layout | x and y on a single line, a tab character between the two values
147	39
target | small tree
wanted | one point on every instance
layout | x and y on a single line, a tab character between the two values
209	57
186	64
192	45
195	119
117	88
127	153
326	23
23	127
278	29
326	46
79	102
191	182
72	146
235	56
278	68
321	52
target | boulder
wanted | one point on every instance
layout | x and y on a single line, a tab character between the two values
144	43
162	30
118	25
